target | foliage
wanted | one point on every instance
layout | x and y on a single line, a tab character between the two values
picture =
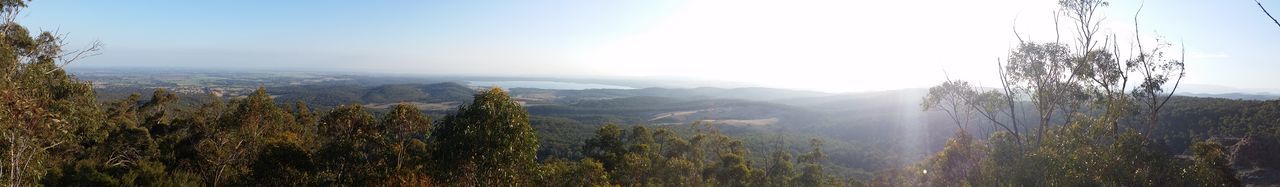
1098	138
1210	166
587	172
487	142
704	158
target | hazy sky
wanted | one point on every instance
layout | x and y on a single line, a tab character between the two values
849	45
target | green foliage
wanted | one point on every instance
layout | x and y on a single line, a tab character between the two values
1210	166
561	137
606	147
1093	130
732	170
129	156
958	163
811	172
352	147
1084	153
283	164
487	142
231	145
780	170
405	131
334	95
663	157
587	172
46	114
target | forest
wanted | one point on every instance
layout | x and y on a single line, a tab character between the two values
1077	113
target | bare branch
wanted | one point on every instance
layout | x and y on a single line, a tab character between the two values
1124	74
93	49
67	57
1136	35
1056	35
1015	30
1182	72
1264	10
1004	81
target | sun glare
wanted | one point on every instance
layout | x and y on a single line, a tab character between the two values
818	45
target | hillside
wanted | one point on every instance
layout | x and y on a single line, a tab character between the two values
573	96
447	93
866	132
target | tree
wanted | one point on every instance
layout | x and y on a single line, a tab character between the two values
780	170
606	147
952	98
1044	72
46	114
640	139
308	124
587	172
284	164
811	173
1155	70
639	163
960	101
958	163
732	170
352	146
129	156
1211	167
229	148
405	131
487	142
677	168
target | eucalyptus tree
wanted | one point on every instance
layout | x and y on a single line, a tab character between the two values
405	131
46	114
488	142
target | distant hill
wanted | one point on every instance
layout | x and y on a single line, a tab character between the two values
861	101
749	93
665	110
333	95
865	131
1236	95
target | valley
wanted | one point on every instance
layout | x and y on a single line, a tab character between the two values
865	132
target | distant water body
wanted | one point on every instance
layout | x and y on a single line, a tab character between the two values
545	85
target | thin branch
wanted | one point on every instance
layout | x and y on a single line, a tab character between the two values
1182	72
66	58
991	117
94	49
1264	10
1015	30
1122	67
1013	117
1056	35
1137	36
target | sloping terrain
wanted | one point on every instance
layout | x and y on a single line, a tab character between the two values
864	132
333	95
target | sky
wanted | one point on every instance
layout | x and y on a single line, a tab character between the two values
823	45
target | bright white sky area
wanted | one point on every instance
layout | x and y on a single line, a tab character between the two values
835	46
